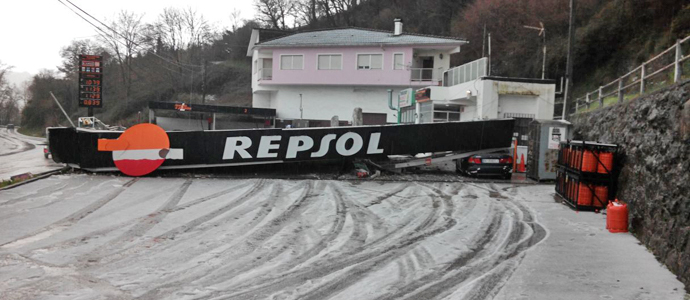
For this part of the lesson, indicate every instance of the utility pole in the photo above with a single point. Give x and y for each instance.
(569, 64)
(300, 107)
(203, 82)
(484, 42)
(489, 59)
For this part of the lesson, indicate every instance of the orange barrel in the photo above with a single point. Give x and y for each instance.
(617, 217)
(578, 159)
(589, 162)
(602, 195)
(605, 164)
(584, 195)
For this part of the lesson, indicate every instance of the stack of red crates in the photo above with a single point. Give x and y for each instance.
(587, 174)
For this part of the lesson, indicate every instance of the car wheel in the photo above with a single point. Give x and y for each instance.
(46, 155)
(508, 176)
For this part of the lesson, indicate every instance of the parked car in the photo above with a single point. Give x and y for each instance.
(46, 151)
(10, 126)
(493, 164)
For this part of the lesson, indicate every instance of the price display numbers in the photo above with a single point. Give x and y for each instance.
(90, 81)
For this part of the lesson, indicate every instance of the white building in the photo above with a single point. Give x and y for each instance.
(316, 75)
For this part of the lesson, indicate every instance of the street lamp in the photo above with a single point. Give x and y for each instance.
(542, 33)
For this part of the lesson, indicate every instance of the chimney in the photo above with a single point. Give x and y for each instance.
(398, 26)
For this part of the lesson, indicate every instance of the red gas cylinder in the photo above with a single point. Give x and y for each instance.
(601, 193)
(589, 162)
(606, 163)
(617, 217)
(584, 195)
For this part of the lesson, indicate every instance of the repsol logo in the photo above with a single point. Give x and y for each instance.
(348, 144)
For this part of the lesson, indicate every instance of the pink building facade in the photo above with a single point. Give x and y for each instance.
(318, 75)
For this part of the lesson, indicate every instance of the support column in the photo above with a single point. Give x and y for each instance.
(642, 74)
(213, 124)
(601, 100)
(152, 116)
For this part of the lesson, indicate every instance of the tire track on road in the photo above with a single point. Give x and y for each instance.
(68, 221)
(487, 276)
(358, 264)
(160, 291)
(141, 227)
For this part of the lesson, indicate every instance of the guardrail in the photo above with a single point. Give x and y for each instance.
(638, 79)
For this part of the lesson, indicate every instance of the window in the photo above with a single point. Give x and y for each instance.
(291, 62)
(330, 62)
(369, 61)
(398, 61)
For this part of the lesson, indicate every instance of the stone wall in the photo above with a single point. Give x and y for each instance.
(654, 133)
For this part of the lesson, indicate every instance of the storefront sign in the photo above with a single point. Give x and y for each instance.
(406, 98)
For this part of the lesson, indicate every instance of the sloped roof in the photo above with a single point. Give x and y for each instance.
(356, 37)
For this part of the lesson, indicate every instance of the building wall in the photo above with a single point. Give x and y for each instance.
(349, 74)
(515, 94)
(490, 99)
(322, 103)
(520, 104)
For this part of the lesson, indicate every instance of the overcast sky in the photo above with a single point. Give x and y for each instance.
(32, 32)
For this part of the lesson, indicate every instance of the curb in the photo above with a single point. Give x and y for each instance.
(35, 178)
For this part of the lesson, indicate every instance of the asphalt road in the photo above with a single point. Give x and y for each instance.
(110, 237)
(21, 154)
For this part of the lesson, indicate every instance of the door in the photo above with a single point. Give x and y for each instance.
(427, 68)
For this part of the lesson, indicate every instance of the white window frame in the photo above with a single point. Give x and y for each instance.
(383, 60)
(281, 61)
(329, 54)
(402, 67)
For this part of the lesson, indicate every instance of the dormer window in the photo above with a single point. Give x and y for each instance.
(369, 61)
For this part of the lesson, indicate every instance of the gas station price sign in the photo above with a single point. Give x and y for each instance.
(90, 81)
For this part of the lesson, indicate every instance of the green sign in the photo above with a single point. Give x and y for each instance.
(406, 98)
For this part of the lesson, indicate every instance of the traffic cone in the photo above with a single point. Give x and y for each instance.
(521, 167)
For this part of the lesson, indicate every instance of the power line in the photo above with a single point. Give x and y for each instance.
(121, 35)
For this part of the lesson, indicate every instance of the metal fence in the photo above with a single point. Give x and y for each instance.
(648, 77)
(464, 73)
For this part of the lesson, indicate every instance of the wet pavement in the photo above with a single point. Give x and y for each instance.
(102, 236)
(21, 154)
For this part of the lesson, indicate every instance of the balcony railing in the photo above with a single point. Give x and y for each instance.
(467, 72)
(266, 74)
(423, 74)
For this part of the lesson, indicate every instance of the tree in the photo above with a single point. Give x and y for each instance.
(9, 98)
(307, 11)
(274, 12)
(124, 41)
(70, 55)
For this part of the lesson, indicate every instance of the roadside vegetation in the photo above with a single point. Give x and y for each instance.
(180, 57)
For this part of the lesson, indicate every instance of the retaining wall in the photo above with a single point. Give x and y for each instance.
(654, 132)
